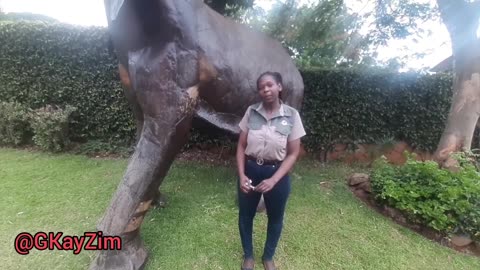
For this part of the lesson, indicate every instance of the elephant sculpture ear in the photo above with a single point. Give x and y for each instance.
(112, 8)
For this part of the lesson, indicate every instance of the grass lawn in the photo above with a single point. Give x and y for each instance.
(325, 226)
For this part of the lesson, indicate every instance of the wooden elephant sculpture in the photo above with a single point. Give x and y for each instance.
(177, 59)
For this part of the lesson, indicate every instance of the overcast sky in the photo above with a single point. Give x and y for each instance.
(92, 12)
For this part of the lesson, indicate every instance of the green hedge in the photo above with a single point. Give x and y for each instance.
(372, 106)
(63, 65)
(68, 65)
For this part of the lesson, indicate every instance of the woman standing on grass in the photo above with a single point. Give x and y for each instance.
(267, 149)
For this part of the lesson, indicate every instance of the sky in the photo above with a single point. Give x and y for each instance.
(82, 12)
(436, 46)
(92, 12)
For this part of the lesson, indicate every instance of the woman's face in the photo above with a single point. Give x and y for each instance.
(269, 89)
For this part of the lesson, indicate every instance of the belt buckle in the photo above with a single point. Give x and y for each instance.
(259, 161)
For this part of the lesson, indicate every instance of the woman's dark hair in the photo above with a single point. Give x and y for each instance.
(276, 76)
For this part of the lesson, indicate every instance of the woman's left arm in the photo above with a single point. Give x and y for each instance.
(293, 150)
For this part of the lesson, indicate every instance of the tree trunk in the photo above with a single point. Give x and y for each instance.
(461, 19)
(464, 112)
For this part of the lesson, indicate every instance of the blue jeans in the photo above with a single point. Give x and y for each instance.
(275, 201)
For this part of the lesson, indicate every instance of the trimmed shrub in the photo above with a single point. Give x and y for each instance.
(444, 200)
(14, 127)
(50, 126)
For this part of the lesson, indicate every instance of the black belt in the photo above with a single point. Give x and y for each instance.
(261, 161)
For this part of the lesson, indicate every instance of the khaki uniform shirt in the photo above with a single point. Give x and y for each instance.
(267, 138)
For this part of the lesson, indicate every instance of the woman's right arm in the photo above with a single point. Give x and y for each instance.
(242, 144)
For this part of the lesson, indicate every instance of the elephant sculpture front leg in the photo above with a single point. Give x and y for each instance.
(168, 110)
(135, 193)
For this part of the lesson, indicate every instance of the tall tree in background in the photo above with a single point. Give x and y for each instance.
(399, 19)
(462, 21)
(327, 33)
(396, 20)
(321, 35)
(315, 35)
(229, 7)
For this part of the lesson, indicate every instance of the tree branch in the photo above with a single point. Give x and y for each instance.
(475, 6)
(461, 18)
(450, 8)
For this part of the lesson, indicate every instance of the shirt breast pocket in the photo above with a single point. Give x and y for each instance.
(255, 121)
(283, 126)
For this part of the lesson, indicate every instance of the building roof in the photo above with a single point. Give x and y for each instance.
(445, 66)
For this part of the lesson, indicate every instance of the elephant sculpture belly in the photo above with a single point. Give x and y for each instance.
(177, 59)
